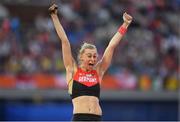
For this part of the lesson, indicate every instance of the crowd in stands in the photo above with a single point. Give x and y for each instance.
(146, 59)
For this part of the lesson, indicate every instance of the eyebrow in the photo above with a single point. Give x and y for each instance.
(91, 54)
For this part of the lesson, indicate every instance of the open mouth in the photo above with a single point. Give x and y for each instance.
(90, 64)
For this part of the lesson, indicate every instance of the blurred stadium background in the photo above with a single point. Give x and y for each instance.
(141, 84)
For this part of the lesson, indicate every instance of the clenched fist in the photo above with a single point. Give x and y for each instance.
(53, 9)
(127, 18)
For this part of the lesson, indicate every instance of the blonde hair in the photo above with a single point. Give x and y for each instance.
(83, 47)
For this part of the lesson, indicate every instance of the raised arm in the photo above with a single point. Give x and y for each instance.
(104, 63)
(66, 48)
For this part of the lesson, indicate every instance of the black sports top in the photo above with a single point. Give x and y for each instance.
(85, 83)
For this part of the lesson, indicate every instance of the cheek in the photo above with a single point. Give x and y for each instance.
(85, 59)
(95, 59)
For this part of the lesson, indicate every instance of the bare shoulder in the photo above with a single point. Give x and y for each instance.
(70, 72)
(99, 69)
(73, 68)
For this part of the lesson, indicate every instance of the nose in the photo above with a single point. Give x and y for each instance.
(93, 59)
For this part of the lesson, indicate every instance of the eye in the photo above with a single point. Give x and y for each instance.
(89, 56)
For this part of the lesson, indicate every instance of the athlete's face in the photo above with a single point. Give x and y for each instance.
(89, 58)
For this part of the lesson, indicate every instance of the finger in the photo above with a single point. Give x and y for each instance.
(55, 6)
(128, 16)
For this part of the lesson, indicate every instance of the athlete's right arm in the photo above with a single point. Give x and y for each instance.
(66, 47)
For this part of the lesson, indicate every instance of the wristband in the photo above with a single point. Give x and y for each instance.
(122, 30)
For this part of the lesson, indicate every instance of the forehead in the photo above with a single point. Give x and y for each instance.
(90, 51)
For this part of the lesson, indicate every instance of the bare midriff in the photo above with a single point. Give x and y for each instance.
(86, 104)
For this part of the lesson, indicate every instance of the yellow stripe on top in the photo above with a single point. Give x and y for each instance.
(70, 85)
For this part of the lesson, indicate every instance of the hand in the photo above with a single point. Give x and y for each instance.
(127, 18)
(53, 9)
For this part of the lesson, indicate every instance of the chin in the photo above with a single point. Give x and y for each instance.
(90, 67)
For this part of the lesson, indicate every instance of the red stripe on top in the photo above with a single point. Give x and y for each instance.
(86, 78)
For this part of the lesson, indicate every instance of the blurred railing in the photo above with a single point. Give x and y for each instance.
(56, 94)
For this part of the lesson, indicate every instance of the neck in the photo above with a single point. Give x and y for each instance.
(84, 68)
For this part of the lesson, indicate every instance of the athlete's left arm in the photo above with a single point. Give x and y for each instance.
(105, 62)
